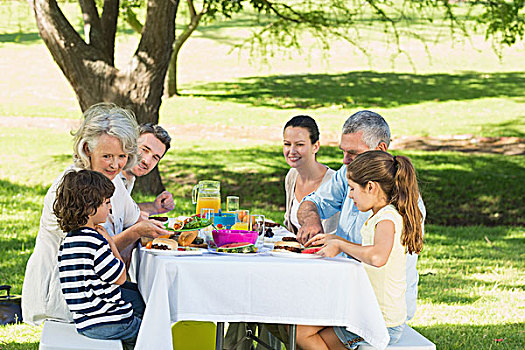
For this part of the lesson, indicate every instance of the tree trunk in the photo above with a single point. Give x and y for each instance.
(172, 74)
(172, 71)
(90, 69)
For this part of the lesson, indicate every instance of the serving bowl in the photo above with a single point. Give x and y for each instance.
(222, 237)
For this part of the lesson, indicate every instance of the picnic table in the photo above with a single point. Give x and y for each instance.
(255, 288)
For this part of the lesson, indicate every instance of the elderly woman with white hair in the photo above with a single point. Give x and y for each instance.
(105, 142)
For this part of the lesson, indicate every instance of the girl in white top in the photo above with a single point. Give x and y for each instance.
(387, 185)
(300, 147)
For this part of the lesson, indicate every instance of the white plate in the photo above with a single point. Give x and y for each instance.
(294, 255)
(259, 251)
(173, 252)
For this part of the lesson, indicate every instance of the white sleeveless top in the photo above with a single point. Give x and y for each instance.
(293, 212)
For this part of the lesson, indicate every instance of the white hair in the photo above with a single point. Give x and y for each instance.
(106, 118)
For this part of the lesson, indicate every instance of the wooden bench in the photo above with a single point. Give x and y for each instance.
(410, 340)
(64, 336)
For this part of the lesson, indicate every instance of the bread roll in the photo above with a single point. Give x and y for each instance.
(186, 238)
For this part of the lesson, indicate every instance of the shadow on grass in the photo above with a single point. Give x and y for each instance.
(467, 337)
(362, 88)
(20, 37)
(19, 346)
(510, 128)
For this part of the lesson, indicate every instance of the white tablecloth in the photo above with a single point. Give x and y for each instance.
(262, 288)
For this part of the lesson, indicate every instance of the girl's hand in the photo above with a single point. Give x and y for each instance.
(321, 239)
(331, 248)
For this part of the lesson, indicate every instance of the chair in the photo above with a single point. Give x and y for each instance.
(410, 340)
(64, 336)
(193, 335)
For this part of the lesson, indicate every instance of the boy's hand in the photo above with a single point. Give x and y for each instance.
(100, 229)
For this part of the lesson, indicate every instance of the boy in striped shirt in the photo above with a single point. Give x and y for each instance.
(90, 266)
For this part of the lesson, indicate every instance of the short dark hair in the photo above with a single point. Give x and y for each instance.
(158, 131)
(307, 122)
(78, 196)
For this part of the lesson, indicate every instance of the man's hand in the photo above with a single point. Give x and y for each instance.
(310, 222)
(164, 203)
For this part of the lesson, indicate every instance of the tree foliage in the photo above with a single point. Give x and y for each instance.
(87, 61)
(280, 24)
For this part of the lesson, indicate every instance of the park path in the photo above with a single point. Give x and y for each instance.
(272, 134)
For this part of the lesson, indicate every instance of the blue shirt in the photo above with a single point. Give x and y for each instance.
(332, 196)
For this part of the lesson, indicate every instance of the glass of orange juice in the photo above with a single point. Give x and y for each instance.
(242, 220)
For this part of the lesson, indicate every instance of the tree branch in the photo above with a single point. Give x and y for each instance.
(109, 27)
(158, 34)
(92, 28)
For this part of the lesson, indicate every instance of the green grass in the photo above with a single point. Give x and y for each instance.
(472, 285)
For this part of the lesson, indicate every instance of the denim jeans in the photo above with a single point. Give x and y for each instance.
(127, 332)
(130, 293)
(352, 341)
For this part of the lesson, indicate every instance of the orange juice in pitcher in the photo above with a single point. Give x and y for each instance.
(206, 194)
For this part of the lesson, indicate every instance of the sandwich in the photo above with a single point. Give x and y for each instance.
(164, 244)
(287, 246)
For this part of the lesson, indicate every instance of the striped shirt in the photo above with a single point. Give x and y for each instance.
(88, 271)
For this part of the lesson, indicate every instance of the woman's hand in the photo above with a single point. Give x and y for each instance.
(150, 228)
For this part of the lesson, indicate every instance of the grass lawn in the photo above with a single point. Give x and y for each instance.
(472, 279)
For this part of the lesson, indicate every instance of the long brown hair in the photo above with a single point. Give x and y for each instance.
(397, 178)
(78, 196)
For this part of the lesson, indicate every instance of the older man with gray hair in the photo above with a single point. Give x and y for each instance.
(362, 131)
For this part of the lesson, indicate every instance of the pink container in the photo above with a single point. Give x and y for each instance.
(222, 237)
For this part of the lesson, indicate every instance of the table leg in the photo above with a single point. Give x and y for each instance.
(219, 336)
(291, 336)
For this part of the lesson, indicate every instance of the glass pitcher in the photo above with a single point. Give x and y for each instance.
(207, 194)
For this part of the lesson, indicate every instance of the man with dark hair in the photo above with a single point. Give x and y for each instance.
(153, 143)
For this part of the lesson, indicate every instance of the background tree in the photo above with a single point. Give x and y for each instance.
(88, 61)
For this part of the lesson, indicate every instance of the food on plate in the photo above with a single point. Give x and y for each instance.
(187, 238)
(177, 225)
(164, 244)
(196, 222)
(287, 246)
(290, 239)
(271, 224)
(312, 249)
(243, 247)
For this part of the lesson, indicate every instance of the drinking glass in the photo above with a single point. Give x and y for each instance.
(232, 204)
(242, 218)
(258, 224)
(205, 233)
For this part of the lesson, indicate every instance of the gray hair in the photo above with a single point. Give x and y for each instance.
(106, 118)
(374, 127)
